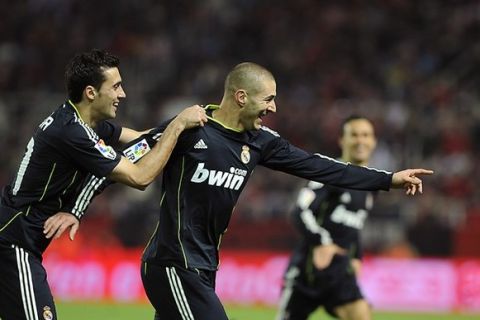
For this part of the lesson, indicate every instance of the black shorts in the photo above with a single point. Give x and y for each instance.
(183, 294)
(24, 290)
(304, 291)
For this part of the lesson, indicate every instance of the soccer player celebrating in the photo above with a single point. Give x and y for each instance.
(203, 179)
(323, 269)
(71, 143)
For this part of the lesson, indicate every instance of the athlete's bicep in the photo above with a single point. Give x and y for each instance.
(126, 171)
(128, 134)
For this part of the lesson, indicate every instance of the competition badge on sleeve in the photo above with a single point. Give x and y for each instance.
(137, 151)
(105, 150)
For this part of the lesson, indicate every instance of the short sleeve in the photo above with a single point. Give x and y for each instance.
(109, 132)
(90, 153)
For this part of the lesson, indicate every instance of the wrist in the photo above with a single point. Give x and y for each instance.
(179, 124)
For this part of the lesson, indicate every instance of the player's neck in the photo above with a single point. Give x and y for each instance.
(85, 113)
(228, 116)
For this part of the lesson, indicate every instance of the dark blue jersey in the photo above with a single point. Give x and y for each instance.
(205, 175)
(58, 158)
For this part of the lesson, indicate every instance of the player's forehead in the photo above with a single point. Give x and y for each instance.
(359, 126)
(268, 88)
(111, 76)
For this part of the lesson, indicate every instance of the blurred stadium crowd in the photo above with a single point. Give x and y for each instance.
(411, 66)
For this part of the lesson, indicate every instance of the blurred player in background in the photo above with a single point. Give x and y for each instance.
(203, 179)
(66, 147)
(323, 269)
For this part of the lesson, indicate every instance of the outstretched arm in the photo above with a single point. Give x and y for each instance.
(128, 134)
(283, 156)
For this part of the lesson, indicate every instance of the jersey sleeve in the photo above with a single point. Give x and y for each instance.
(94, 185)
(88, 151)
(306, 213)
(282, 156)
(109, 132)
(91, 187)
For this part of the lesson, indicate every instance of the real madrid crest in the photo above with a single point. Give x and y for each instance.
(47, 314)
(245, 155)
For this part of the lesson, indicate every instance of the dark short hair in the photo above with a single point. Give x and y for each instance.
(86, 69)
(353, 117)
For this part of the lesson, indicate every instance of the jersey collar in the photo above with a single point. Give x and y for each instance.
(209, 110)
(75, 109)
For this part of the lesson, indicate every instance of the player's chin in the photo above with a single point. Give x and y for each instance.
(361, 157)
(257, 124)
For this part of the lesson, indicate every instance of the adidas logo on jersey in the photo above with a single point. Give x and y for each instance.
(230, 180)
(200, 145)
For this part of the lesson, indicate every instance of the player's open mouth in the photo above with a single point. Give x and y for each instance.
(360, 148)
(262, 114)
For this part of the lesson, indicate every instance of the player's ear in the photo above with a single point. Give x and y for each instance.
(241, 97)
(90, 92)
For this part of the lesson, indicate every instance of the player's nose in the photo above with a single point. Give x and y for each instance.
(122, 93)
(272, 107)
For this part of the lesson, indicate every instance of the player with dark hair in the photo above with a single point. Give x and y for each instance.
(324, 266)
(203, 179)
(74, 141)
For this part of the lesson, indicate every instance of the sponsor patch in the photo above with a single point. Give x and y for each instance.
(137, 151)
(233, 179)
(105, 150)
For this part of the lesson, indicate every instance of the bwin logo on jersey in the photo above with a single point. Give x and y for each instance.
(349, 218)
(230, 180)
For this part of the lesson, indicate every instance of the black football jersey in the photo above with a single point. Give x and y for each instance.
(327, 214)
(206, 173)
(58, 158)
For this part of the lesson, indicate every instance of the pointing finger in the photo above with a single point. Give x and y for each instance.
(421, 171)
